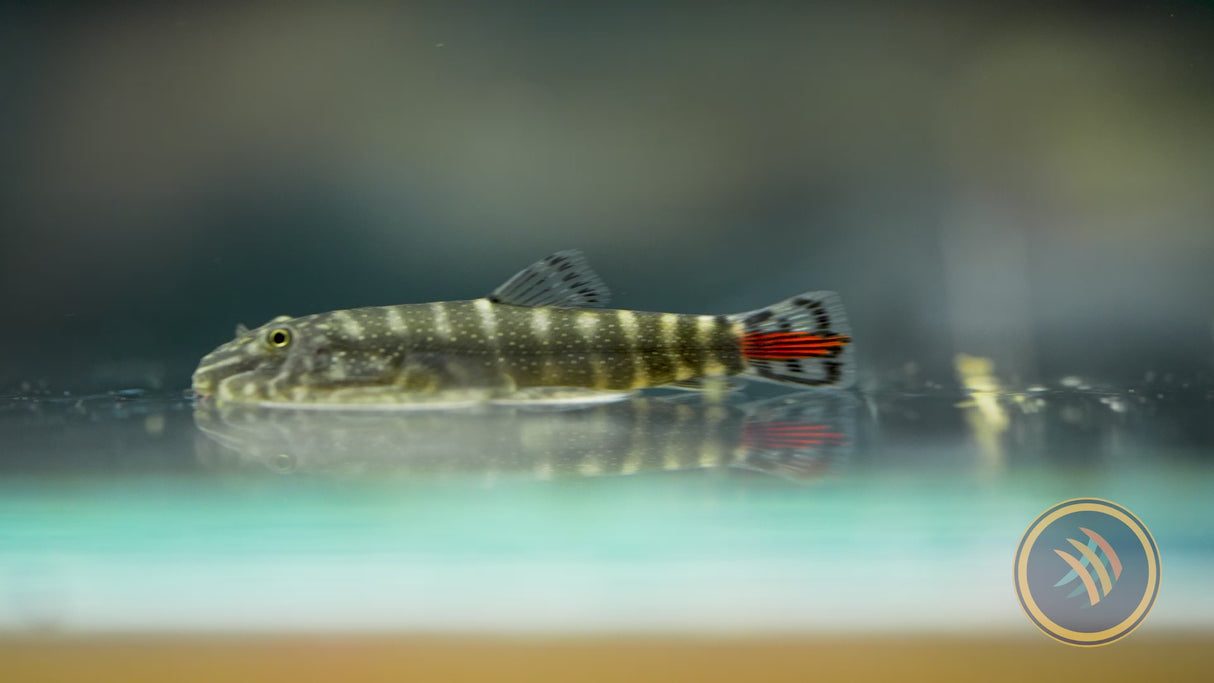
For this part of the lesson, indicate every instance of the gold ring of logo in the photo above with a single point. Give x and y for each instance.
(1034, 612)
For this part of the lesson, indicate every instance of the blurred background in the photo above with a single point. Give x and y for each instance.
(1013, 199)
(1025, 182)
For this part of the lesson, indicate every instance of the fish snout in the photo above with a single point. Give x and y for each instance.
(217, 366)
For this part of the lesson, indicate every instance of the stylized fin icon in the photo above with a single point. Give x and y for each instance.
(1082, 572)
(1079, 567)
(1105, 583)
(1107, 550)
(1062, 543)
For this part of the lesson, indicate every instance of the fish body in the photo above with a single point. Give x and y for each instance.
(537, 336)
(800, 437)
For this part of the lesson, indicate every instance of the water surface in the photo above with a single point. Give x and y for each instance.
(889, 511)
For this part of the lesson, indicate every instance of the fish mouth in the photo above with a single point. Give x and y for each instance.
(202, 385)
(217, 367)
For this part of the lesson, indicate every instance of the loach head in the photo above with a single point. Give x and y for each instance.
(344, 357)
(340, 358)
(246, 367)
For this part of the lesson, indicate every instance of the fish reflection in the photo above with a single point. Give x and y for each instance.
(800, 436)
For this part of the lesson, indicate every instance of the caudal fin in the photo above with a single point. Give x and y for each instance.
(803, 340)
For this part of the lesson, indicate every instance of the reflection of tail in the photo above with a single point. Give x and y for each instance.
(801, 437)
(803, 340)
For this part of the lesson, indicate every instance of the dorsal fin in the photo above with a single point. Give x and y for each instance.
(563, 279)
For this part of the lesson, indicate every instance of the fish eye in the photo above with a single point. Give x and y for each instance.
(279, 338)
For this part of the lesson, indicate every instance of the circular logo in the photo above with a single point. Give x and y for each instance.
(1087, 572)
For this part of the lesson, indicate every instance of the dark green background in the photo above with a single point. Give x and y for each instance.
(1025, 182)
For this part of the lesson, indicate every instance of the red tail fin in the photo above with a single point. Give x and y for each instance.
(781, 345)
(802, 340)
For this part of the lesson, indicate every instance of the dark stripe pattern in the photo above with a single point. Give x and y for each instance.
(500, 347)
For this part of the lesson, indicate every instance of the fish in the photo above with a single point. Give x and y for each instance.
(802, 437)
(541, 336)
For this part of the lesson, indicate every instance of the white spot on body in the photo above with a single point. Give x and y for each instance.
(442, 324)
(587, 323)
(669, 323)
(670, 340)
(348, 324)
(541, 324)
(337, 370)
(484, 308)
(487, 313)
(632, 331)
(396, 323)
(628, 323)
